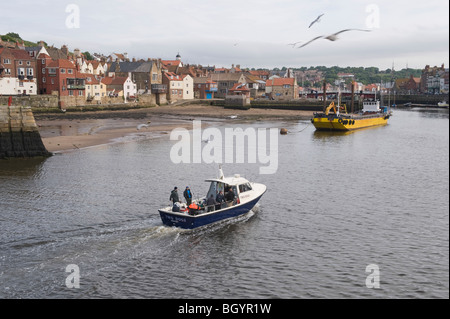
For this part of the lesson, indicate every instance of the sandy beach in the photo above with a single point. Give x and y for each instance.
(63, 132)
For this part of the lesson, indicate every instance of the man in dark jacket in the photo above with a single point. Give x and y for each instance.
(188, 195)
(174, 196)
(211, 203)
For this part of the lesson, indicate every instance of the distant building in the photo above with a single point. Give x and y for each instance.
(147, 75)
(409, 85)
(435, 80)
(60, 76)
(17, 72)
(282, 89)
(226, 81)
(204, 88)
(120, 87)
(174, 85)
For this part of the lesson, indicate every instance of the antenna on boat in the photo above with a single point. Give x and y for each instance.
(221, 176)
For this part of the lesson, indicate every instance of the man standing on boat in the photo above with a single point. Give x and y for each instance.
(174, 196)
(188, 195)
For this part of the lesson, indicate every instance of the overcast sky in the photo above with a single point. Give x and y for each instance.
(252, 33)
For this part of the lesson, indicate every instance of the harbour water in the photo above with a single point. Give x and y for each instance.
(337, 203)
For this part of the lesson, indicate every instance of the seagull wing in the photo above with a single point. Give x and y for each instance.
(317, 20)
(316, 38)
(346, 30)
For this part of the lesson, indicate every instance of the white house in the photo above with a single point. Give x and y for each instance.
(188, 87)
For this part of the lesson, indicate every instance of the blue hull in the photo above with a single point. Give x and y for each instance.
(191, 222)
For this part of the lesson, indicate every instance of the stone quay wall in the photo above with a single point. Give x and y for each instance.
(19, 135)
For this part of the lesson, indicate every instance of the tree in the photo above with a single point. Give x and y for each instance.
(88, 56)
(14, 35)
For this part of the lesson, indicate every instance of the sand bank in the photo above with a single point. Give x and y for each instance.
(71, 131)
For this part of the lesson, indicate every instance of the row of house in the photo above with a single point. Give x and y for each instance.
(48, 70)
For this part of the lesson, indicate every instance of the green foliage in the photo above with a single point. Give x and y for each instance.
(88, 56)
(15, 37)
(366, 76)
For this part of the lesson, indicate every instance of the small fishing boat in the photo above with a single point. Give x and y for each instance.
(245, 195)
(443, 104)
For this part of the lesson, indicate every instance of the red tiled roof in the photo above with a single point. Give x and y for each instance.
(240, 87)
(21, 55)
(280, 82)
(62, 63)
(172, 76)
(171, 62)
(114, 80)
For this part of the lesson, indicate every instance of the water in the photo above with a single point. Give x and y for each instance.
(337, 204)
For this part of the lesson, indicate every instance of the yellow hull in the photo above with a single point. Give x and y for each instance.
(343, 124)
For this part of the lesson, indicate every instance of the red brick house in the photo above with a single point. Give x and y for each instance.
(204, 88)
(17, 72)
(409, 86)
(60, 76)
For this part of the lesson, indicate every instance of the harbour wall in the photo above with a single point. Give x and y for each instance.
(19, 135)
(42, 103)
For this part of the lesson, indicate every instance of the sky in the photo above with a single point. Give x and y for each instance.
(249, 33)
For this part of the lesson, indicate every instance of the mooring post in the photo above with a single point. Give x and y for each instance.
(353, 97)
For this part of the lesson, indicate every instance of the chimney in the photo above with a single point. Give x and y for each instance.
(65, 50)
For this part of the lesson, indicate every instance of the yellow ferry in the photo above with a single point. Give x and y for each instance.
(371, 115)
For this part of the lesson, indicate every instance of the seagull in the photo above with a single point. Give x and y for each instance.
(331, 37)
(317, 20)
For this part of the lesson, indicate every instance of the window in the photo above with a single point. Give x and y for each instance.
(70, 92)
(245, 188)
(28, 63)
(63, 71)
(20, 71)
(8, 71)
(51, 71)
(20, 62)
(53, 81)
(30, 72)
(70, 71)
(7, 61)
(44, 80)
(43, 61)
(80, 93)
(43, 70)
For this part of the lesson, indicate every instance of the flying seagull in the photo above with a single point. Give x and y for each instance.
(317, 20)
(331, 37)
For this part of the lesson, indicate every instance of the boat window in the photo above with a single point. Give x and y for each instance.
(245, 188)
